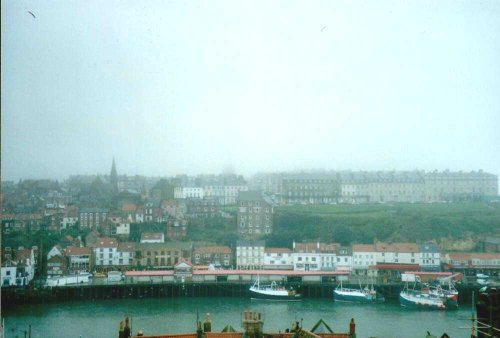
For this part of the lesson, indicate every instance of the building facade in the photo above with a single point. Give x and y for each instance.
(250, 254)
(255, 214)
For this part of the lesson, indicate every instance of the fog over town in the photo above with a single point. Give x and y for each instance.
(166, 159)
(173, 88)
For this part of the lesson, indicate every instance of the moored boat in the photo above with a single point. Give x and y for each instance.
(273, 291)
(418, 299)
(361, 295)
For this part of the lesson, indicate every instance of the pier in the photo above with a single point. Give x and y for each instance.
(17, 296)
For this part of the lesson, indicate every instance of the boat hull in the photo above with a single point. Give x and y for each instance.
(270, 296)
(410, 301)
(357, 297)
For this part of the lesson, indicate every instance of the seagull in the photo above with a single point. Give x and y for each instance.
(32, 14)
(322, 29)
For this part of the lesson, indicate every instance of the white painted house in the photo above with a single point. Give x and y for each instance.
(278, 259)
(250, 254)
(9, 273)
(314, 256)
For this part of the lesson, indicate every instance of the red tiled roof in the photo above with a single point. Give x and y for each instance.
(313, 246)
(126, 247)
(129, 207)
(106, 242)
(396, 247)
(76, 251)
(212, 249)
(363, 248)
(397, 266)
(23, 254)
(465, 256)
(278, 250)
(149, 273)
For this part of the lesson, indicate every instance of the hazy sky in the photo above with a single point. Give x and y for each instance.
(197, 87)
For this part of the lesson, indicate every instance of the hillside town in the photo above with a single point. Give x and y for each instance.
(116, 222)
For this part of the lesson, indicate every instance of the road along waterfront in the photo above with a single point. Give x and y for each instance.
(100, 318)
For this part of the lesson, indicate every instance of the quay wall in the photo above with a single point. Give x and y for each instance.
(13, 296)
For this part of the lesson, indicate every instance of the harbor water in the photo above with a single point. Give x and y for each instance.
(100, 319)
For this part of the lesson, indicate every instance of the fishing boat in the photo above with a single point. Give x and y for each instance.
(450, 295)
(361, 295)
(422, 298)
(273, 291)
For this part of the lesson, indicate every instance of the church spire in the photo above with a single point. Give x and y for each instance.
(113, 177)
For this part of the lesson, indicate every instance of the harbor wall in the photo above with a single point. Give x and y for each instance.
(13, 296)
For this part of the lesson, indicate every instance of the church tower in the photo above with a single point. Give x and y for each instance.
(113, 178)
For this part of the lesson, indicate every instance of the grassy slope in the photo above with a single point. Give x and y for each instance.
(398, 222)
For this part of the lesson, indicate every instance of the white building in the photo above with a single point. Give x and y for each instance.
(231, 193)
(105, 251)
(363, 256)
(278, 259)
(397, 253)
(55, 251)
(344, 259)
(188, 192)
(109, 253)
(152, 237)
(25, 259)
(9, 273)
(314, 256)
(79, 259)
(250, 254)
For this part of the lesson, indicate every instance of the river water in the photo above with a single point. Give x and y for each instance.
(100, 319)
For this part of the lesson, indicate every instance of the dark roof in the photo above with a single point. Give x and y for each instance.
(253, 195)
(250, 243)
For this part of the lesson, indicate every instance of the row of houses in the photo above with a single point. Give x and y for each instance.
(377, 186)
(18, 266)
(372, 260)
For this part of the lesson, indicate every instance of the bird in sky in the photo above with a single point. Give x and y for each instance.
(32, 14)
(322, 29)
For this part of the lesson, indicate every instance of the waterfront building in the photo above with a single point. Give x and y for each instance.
(254, 215)
(363, 256)
(218, 256)
(250, 254)
(162, 255)
(92, 218)
(25, 259)
(79, 259)
(397, 253)
(430, 257)
(344, 258)
(278, 259)
(55, 251)
(314, 256)
(109, 254)
(57, 265)
(471, 263)
(8, 273)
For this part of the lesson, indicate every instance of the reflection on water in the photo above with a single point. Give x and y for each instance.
(101, 318)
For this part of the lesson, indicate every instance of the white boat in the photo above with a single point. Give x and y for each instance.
(273, 291)
(361, 295)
